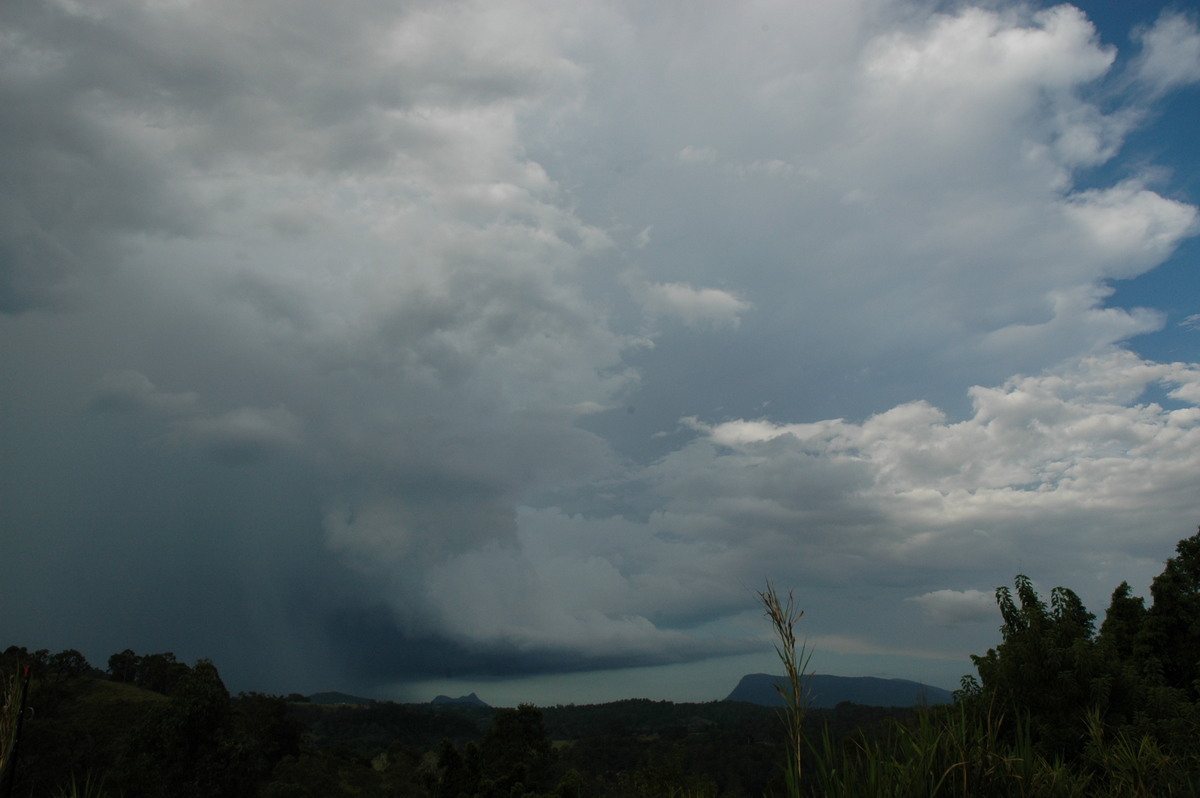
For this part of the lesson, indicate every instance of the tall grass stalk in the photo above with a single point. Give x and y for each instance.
(784, 616)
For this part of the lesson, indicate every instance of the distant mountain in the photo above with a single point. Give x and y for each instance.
(826, 692)
(472, 700)
(339, 698)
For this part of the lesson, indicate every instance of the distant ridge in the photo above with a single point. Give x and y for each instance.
(826, 692)
(471, 700)
(340, 698)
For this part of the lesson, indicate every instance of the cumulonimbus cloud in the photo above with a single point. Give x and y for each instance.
(384, 278)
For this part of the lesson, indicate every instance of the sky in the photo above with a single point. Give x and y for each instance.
(511, 346)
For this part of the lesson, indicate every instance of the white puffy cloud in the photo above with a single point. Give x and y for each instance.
(1130, 227)
(972, 82)
(901, 184)
(1073, 445)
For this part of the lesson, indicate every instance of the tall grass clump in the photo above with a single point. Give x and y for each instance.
(14, 689)
(89, 787)
(969, 752)
(784, 616)
(941, 752)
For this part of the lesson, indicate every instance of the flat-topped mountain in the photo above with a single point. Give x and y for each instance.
(825, 692)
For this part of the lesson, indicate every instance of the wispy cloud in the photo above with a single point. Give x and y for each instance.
(1170, 55)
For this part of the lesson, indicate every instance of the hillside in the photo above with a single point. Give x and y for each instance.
(334, 698)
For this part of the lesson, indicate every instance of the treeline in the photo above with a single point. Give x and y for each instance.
(151, 725)
(635, 747)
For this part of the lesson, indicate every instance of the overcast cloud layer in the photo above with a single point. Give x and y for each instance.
(371, 343)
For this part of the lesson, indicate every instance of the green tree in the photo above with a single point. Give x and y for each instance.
(1044, 670)
(1122, 685)
(184, 748)
(1169, 637)
(1122, 622)
(160, 672)
(515, 753)
(404, 771)
(453, 776)
(69, 663)
(262, 734)
(17, 658)
(123, 666)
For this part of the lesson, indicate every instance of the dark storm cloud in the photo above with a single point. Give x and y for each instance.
(73, 175)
